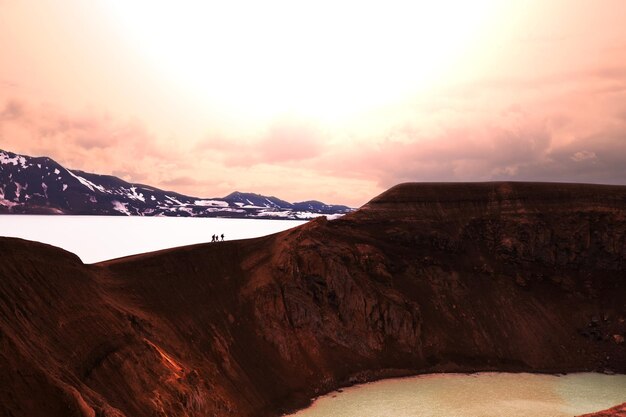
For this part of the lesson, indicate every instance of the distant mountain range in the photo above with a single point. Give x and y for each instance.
(39, 185)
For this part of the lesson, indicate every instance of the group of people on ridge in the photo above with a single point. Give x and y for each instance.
(216, 238)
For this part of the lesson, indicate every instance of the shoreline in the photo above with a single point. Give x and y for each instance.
(398, 375)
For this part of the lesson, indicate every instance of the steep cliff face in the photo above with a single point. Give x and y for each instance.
(426, 277)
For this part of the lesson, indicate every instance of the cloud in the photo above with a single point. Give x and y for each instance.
(215, 142)
(290, 141)
(462, 152)
(602, 160)
(130, 174)
(583, 155)
(13, 109)
(514, 143)
(285, 141)
(85, 140)
(594, 79)
(612, 72)
(561, 125)
(8, 84)
(180, 181)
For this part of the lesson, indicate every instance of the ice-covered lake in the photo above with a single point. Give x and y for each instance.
(475, 395)
(98, 238)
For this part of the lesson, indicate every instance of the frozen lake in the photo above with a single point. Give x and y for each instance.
(475, 395)
(99, 238)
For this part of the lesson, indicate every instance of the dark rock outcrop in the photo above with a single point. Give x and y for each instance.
(425, 277)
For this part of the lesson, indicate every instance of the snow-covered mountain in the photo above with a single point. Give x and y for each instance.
(30, 185)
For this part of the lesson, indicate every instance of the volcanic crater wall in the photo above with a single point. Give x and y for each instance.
(424, 278)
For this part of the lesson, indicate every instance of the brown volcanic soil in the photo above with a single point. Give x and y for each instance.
(425, 277)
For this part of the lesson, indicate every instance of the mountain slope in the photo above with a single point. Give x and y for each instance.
(40, 185)
(424, 278)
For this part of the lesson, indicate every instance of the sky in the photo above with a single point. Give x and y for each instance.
(329, 100)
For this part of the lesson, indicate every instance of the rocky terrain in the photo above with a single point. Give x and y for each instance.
(424, 278)
(31, 185)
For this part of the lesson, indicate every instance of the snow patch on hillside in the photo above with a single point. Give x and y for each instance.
(270, 213)
(135, 195)
(121, 207)
(174, 200)
(4, 202)
(210, 203)
(87, 183)
(18, 190)
(16, 160)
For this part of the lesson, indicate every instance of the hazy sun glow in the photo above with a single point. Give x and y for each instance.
(324, 60)
(330, 100)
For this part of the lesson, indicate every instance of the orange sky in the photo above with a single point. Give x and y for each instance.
(335, 101)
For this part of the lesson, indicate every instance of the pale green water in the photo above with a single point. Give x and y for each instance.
(475, 395)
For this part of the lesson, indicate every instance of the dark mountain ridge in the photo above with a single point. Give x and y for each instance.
(424, 278)
(40, 185)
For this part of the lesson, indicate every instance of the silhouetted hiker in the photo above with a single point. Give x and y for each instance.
(222, 237)
(213, 238)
